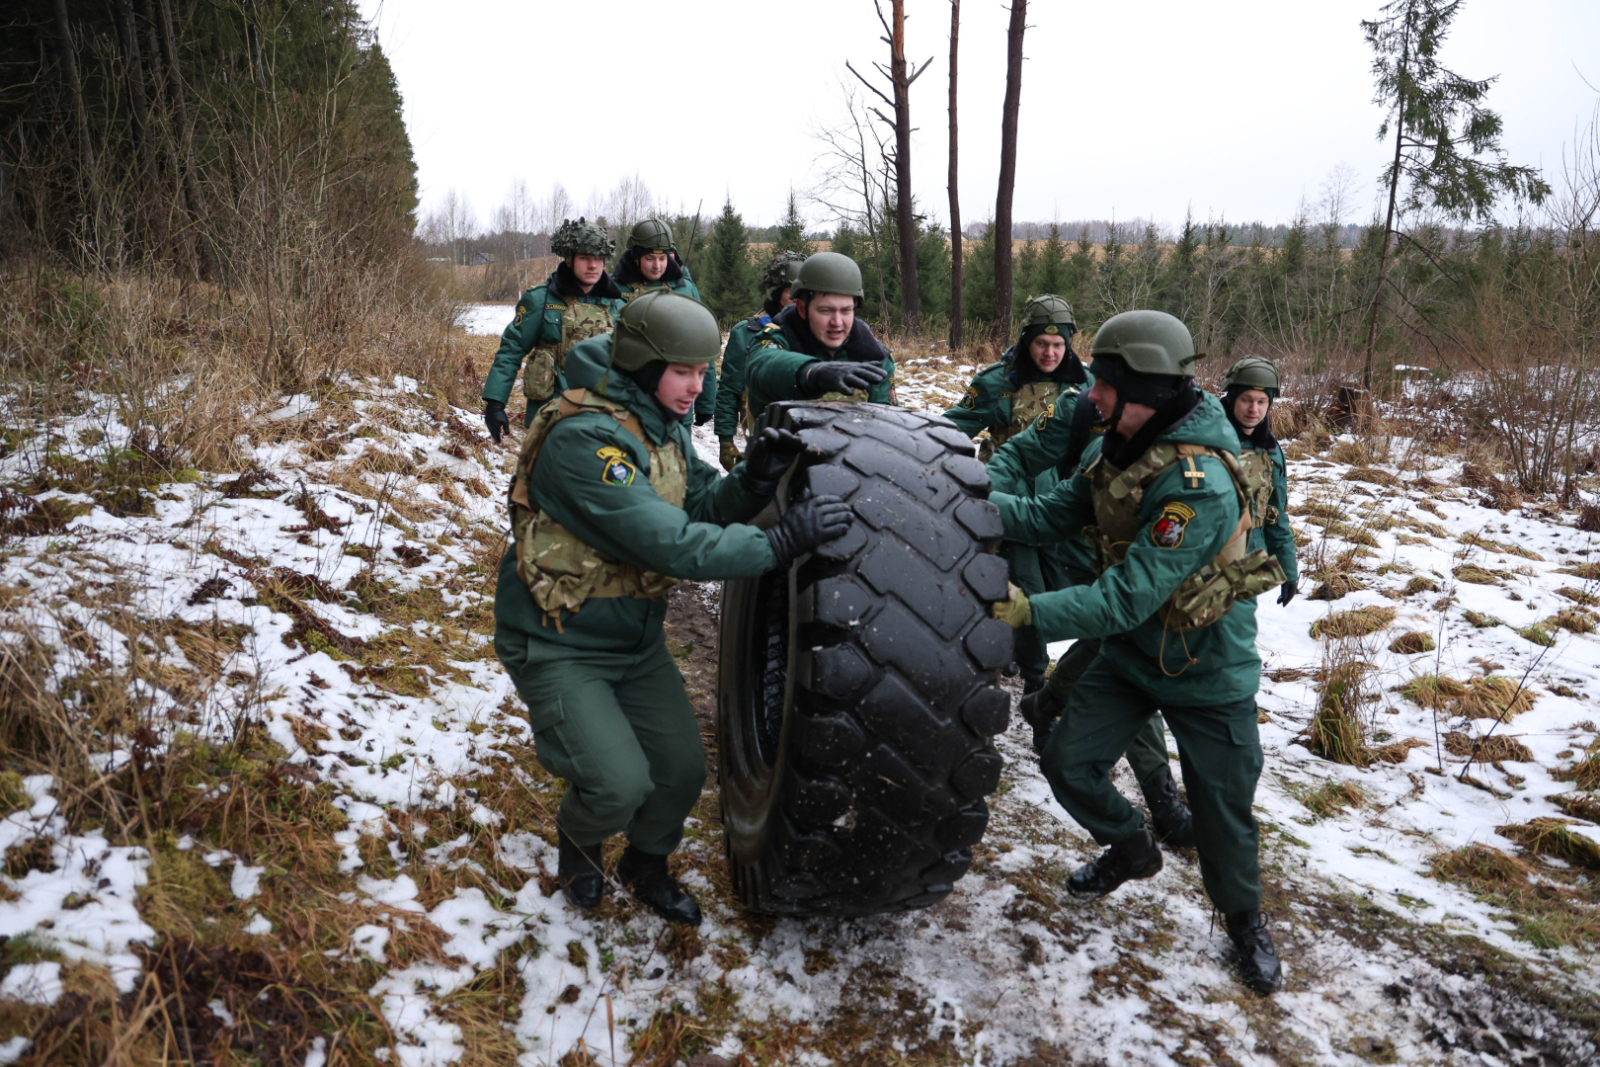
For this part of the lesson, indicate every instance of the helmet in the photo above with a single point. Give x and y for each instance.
(1148, 342)
(664, 325)
(1048, 310)
(651, 235)
(829, 272)
(1253, 372)
(582, 237)
(782, 270)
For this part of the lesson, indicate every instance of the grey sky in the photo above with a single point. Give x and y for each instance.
(1140, 108)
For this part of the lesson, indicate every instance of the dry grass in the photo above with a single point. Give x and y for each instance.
(1479, 697)
(1357, 622)
(1492, 749)
(1410, 644)
(1551, 907)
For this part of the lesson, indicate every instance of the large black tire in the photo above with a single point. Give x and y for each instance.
(858, 690)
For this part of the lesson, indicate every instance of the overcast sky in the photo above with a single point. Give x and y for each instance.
(1137, 108)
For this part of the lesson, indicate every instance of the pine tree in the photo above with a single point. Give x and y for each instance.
(1052, 274)
(977, 285)
(729, 282)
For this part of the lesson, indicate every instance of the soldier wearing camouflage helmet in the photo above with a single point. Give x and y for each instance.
(576, 301)
(1162, 497)
(816, 348)
(780, 274)
(1249, 390)
(649, 262)
(610, 507)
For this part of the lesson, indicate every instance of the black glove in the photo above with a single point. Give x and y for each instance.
(1040, 710)
(808, 524)
(839, 376)
(769, 455)
(1287, 593)
(494, 417)
(702, 417)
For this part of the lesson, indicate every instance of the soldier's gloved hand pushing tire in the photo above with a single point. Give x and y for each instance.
(834, 376)
(808, 524)
(494, 417)
(771, 454)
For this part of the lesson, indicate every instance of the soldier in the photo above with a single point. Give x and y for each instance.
(577, 301)
(780, 274)
(1248, 390)
(651, 262)
(610, 507)
(816, 348)
(1031, 459)
(1161, 495)
(1033, 375)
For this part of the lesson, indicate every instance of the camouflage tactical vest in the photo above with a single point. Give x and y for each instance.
(1027, 403)
(1204, 597)
(1256, 466)
(561, 570)
(572, 322)
(641, 287)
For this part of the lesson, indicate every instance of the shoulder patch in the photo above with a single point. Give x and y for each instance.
(1045, 416)
(1170, 526)
(970, 400)
(521, 311)
(617, 470)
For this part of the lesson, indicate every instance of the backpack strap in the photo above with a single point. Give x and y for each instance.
(570, 403)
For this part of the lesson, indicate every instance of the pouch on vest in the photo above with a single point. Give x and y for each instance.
(569, 323)
(561, 570)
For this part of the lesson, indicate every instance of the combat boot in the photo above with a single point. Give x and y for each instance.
(580, 872)
(1169, 816)
(1258, 959)
(1135, 856)
(1040, 710)
(650, 881)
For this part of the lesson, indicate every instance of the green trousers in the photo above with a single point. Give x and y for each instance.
(619, 728)
(1034, 570)
(1220, 752)
(1148, 752)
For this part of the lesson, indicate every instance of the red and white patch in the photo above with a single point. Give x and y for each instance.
(1170, 526)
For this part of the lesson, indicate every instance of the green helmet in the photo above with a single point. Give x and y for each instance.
(1253, 372)
(783, 269)
(1048, 310)
(651, 235)
(582, 237)
(828, 272)
(664, 325)
(1149, 342)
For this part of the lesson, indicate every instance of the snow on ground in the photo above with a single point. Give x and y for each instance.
(397, 501)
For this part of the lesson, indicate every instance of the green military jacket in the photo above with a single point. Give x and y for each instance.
(784, 348)
(1183, 523)
(1275, 534)
(1027, 464)
(537, 327)
(730, 386)
(995, 402)
(613, 508)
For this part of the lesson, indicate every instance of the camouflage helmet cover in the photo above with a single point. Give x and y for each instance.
(1148, 342)
(829, 272)
(582, 237)
(782, 270)
(1048, 310)
(652, 235)
(1253, 372)
(664, 325)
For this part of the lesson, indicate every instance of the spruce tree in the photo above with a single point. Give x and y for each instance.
(1052, 273)
(791, 235)
(729, 283)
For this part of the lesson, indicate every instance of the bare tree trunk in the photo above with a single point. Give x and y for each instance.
(69, 62)
(180, 115)
(1008, 170)
(1383, 253)
(905, 219)
(955, 199)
